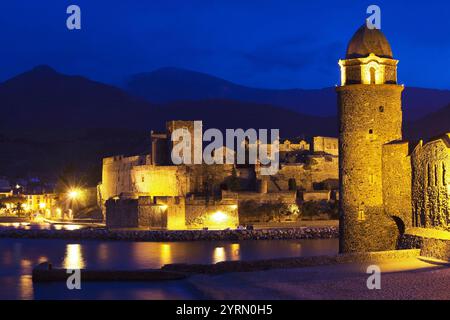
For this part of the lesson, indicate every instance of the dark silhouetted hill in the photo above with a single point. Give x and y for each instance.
(171, 84)
(51, 120)
(432, 125)
(45, 98)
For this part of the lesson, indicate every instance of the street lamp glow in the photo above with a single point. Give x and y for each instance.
(219, 216)
(74, 194)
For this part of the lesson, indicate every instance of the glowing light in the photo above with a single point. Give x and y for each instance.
(235, 251)
(219, 216)
(166, 254)
(25, 287)
(233, 206)
(42, 205)
(74, 257)
(219, 254)
(74, 194)
(163, 206)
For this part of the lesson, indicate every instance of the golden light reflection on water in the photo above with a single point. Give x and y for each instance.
(25, 264)
(103, 253)
(153, 255)
(26, 287)
(42, 259)
(166, 254)
(219, 254)
(73, 258)
(235, 251)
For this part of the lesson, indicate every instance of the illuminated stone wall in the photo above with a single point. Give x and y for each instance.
(116, 175)
(209, 177)
(162, 213)
(211, 214)
(188, 127)
(321, 169)
(397, 182)
(152, 180)
(370, 116)
(326, 144)
(171, 213)
(287, 197)
(431, 184)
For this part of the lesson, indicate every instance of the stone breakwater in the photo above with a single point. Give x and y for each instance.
(181, 235)
(429, 247)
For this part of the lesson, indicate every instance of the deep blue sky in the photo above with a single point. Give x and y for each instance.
(273, 44)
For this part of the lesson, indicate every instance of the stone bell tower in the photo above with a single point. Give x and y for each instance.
(370, 116)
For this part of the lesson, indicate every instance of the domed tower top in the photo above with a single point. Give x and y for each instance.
(366, 41)
(369, 59)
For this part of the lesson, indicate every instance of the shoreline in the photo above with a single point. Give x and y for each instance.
(298, 233)
(44, 272)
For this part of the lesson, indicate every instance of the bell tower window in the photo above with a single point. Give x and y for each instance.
(372, 75)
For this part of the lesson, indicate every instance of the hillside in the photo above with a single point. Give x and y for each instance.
(167, 85)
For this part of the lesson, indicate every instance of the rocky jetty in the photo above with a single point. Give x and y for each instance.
(173, 235)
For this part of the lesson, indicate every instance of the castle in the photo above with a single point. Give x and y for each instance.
(152, 192)
(387, 184)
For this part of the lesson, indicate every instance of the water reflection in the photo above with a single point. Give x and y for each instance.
(219, 254)
(41, 226)
(74, 257)
(19, 256)
(25, 287)
(235, 251)
(103, 252)
(166, 254)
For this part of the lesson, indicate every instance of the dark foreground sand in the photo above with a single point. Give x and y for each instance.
(413, 278)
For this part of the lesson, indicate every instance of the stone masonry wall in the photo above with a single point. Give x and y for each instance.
(369, 117)
(397, 182)
(122, 213)
(322, 168)
(201, 214)
(431, 184)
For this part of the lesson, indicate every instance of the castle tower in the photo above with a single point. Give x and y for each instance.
(370, 115)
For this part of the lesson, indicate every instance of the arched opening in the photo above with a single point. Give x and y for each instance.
(372, 75)
(292, 184)
(400, 225)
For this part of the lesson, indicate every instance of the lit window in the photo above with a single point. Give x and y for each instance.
(361, 214)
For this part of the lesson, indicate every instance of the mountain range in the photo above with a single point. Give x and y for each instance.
(52, 120)
(167, 85)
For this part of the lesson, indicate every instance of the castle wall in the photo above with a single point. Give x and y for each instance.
(323, 195)
(116, 175)
(122, 213)
(210, 177)
(288, 146)
(152, 180)
(319, 169)
(326, 144)
(187, 127)
(213, 215)
(286, 197)
(431, 184)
